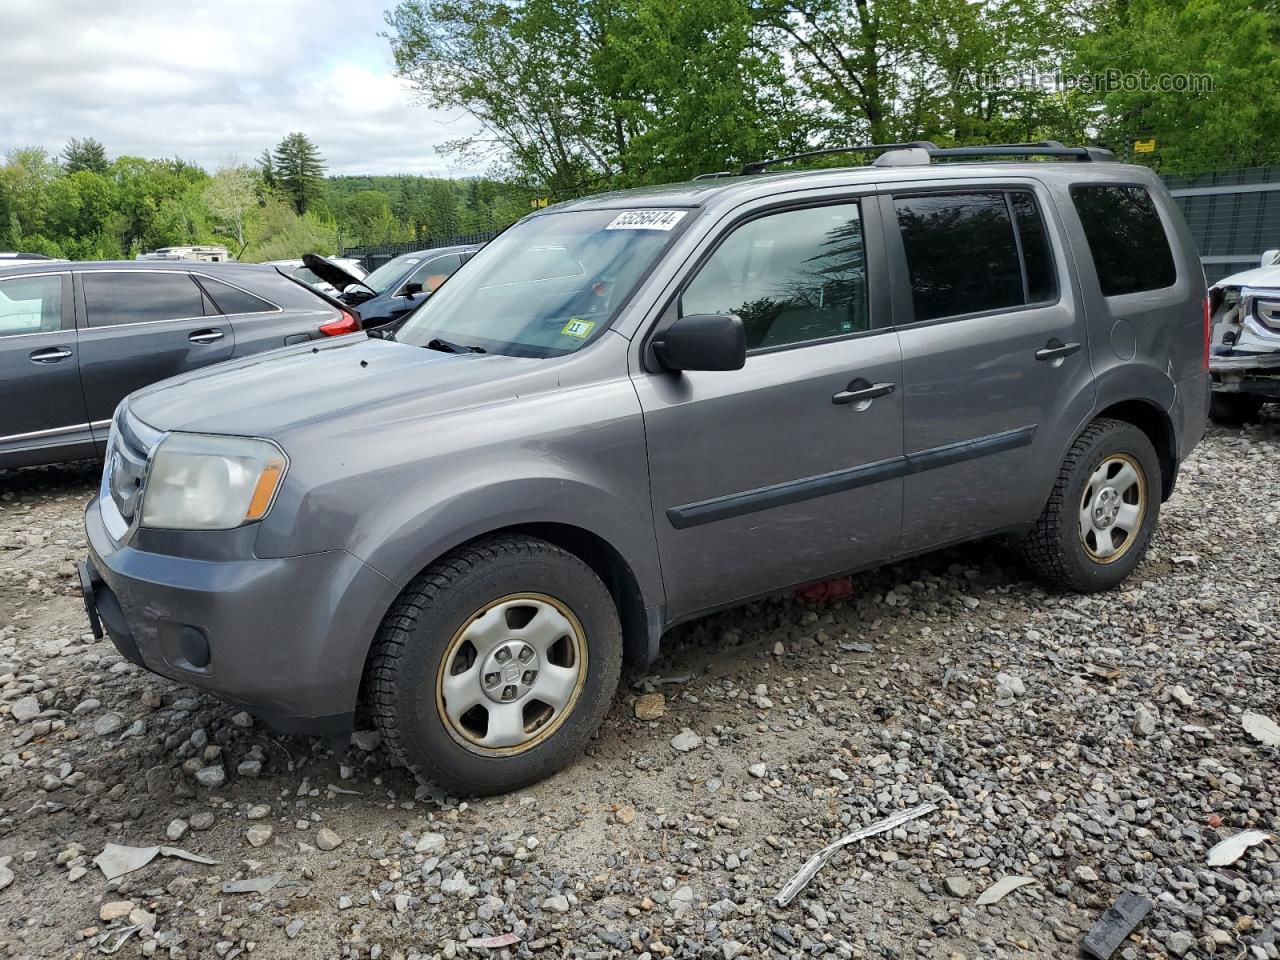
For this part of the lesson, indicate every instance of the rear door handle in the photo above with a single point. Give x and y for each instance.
(1057, 350)
(50, 355)
(206, 336)
(861, 392)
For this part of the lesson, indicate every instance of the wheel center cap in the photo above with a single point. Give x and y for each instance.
(1106, 508)
(509, 671)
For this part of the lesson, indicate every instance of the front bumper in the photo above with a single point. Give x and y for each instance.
(284, 638)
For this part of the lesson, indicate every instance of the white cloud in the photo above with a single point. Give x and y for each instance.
(156, 78)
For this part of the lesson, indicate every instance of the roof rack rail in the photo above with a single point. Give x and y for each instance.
(924, 151)
(715, 176)
(760, 166)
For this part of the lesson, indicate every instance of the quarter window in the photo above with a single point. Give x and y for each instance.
(117, 298)
(792, 277)
(230, 300)
(30, 305)
(1126, 238)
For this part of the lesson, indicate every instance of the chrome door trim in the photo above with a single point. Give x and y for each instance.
(54, 431)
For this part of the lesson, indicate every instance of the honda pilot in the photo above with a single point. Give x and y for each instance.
(632, 409)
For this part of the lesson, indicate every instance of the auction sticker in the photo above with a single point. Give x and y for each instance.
(647, 220)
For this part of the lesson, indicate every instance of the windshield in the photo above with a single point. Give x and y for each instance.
(391, 271)
(547, 286)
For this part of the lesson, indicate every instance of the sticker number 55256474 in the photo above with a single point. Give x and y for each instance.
(647, 220)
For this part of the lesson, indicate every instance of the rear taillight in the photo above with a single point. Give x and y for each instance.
(1208, 331)
(347, 323)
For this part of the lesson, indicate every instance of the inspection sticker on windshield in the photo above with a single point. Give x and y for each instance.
(647, 220)
(578, 328)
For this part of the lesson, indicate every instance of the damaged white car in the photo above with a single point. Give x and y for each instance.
(1244, 354)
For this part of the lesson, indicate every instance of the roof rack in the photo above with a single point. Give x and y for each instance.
(925, 151)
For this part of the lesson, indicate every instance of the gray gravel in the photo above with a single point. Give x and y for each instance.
(1093, 744)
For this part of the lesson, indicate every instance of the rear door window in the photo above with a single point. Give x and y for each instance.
(229, 299)
(1126, 238)
(965, 256)
(112, 299)
(30, 305)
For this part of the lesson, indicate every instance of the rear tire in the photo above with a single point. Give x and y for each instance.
(1234, 409)
(495, 666)
(1098, 522)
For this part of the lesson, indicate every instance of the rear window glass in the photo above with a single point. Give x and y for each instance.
(1126, 238)
(138, 297)
(229, 299)
(961, 253)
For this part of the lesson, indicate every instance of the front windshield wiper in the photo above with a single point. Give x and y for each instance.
(445, 346)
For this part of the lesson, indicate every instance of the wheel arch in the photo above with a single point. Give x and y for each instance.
(1156, 423)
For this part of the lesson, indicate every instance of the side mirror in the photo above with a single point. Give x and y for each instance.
(703, 341)
(411, 290)
(1270, 258)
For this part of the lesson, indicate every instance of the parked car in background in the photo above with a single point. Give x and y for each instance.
(8, 258)
(1245, 355)
(75, 338)
(631, 409)
(300, 271)
(397, 287)
(207, 254)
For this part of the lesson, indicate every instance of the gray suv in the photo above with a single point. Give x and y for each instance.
(635, 408)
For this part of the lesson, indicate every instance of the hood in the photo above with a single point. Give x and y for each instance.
(267, 394)
(329, 272)
(1257, 277)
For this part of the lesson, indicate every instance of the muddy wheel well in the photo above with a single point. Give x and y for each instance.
(1155, 423)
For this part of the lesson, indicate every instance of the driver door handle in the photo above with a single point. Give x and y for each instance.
(1056, 350)
(50, 355)
(863, 394)
(206, 336)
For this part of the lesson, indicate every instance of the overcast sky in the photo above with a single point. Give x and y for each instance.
(209, 80)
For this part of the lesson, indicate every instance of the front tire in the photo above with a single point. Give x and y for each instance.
(495, 666)
(1234, 409)
(1098, 522)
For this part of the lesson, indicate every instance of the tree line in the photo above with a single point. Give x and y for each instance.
(575, 95)
(83, 205)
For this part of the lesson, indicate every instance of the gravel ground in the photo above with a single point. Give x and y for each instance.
(1094, 745)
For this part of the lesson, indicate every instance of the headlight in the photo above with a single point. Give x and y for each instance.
(201, 482)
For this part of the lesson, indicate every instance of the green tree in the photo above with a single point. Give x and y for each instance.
(1235, 122)
(298, 170)
(229, 196)
(81, 156)
(277, 232)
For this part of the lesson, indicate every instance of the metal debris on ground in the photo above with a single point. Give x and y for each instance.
(1119, 920)
(1103, 671)
(495, 942)
(1002, 888)
(116, 859)
(1232, 849)
(253, 885)
(819, 859)
(124, 936)
(1262, 728)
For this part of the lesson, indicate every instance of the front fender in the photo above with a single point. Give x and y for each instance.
(413, 534)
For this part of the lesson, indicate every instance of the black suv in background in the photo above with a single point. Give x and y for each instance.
(76, 338)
